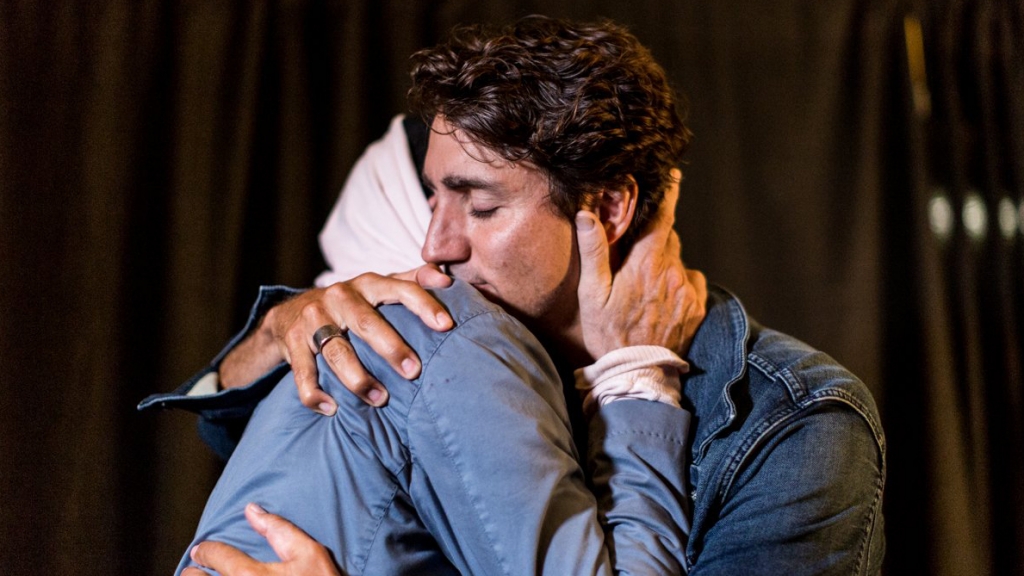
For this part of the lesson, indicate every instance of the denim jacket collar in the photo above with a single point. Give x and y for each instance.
(717, 360)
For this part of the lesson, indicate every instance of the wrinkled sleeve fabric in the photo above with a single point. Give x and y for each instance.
(808, 503)
(496, 478)
(637, 463)
(223, 414)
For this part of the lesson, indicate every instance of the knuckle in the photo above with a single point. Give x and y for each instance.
(361, 281)
(391, 349)
(340, 292)
(359, 383)
(295, 341)
(337, 353)
(676, 279)
(699, 280)
(310, 312)
(594, 245)
(308, 395)
(675, 245)
(365, 322)
(421, 274)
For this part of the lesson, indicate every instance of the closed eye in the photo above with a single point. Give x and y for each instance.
(482, 214)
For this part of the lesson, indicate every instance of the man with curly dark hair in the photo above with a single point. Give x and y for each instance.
(551, 171)
(588, 106)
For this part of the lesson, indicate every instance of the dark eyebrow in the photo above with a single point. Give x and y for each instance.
(464, 183)
(461, 183)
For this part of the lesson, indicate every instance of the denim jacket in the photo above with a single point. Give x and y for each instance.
(787, 462)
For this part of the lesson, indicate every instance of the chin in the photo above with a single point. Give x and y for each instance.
(491, 294)
(488, 291)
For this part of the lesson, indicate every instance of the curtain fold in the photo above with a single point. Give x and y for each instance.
(957, 464)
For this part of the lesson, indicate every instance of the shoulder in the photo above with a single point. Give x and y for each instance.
(487, 374)
(751, 377)
(802, 376)
(473, 315)
(486, 342)
(751, 387)
(786, 438)
(806, 404)
(469, 310)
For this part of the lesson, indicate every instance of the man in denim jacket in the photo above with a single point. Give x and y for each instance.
(786, 458)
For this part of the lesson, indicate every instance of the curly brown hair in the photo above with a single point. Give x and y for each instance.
(585, 103)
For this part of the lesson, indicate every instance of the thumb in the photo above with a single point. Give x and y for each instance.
(427, 276)
(286, 539)
(595, 269)
(431, 276)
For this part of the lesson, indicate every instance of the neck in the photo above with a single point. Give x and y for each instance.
(565, 346)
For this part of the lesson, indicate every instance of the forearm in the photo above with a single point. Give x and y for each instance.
(498, 482)
(224, 410)
(252, 353)
(516, 502)
(253, 357)
(637, 461)
(637, 456)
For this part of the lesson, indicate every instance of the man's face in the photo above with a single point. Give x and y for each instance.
(495, 227)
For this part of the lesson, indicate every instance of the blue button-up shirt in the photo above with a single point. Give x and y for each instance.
(470, 468)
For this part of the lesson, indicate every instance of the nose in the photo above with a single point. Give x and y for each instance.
(446, 241)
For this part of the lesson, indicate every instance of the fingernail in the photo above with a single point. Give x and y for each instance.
(443, 320)
(192, 554)
(584, 222)
(257, 508)
(377, 396)
(410, 368)
(327, 409)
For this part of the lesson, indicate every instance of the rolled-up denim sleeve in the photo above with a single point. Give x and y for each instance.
(224, 413)
(496, 478)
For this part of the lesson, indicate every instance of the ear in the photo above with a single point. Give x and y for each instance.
(615, 208)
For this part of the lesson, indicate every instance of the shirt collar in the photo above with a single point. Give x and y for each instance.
(717, 360)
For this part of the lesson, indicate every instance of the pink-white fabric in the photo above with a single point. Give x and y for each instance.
(380, 220)
(639, 372)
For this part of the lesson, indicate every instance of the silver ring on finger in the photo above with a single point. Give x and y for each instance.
(325, 334)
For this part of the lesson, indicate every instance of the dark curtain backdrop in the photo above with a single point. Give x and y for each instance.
(857, 177)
